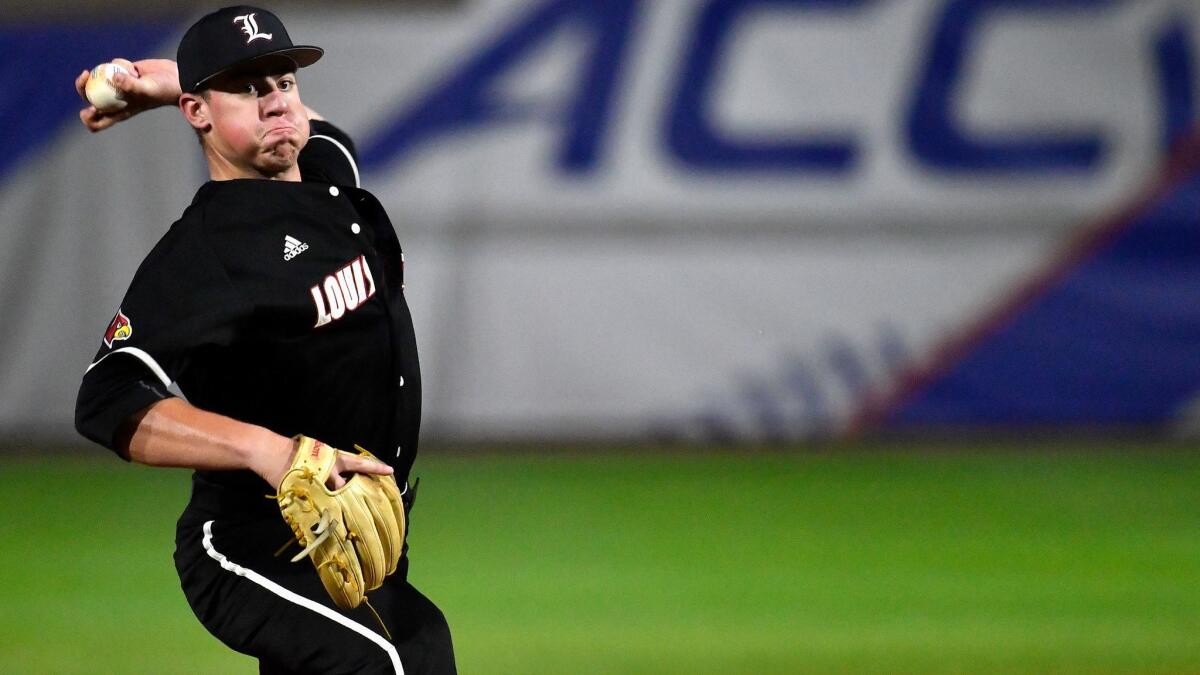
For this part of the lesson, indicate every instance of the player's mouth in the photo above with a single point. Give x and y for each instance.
(286, 129)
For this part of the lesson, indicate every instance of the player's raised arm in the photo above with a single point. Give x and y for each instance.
(146, 84)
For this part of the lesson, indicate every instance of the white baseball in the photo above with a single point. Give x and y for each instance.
(100, 90)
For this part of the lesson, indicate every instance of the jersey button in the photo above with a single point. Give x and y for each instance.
(355, 228)
(333, 191)
(401, 382)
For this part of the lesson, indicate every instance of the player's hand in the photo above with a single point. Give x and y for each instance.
(151, 83)
(273, 459)
(350, 464)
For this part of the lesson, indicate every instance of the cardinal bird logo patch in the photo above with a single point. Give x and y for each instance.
(118, 329)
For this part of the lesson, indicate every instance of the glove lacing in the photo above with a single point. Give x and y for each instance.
(322, 532)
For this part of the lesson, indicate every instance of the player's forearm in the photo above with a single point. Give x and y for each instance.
(174, 433)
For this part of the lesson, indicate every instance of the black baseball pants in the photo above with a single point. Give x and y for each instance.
(278, 612)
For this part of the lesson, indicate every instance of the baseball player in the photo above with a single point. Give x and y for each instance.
(276, 305)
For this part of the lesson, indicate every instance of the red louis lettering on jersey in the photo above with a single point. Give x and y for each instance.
(118, 329)
(343, 291)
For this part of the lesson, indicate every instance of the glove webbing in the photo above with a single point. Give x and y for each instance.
(323, 530)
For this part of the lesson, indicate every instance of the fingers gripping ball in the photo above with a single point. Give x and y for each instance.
(355, 534)
(100, 90)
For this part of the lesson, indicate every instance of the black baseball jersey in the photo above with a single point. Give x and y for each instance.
(275, 303)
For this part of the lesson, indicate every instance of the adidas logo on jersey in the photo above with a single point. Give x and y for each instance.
(293, 247)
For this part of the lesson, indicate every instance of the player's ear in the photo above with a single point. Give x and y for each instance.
(195, 110)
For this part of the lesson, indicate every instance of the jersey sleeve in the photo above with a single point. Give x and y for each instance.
(329, 156)
(180, 300)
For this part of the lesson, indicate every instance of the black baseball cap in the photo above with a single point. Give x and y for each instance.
(232, 36)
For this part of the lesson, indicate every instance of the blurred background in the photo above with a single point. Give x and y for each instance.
(758, 335)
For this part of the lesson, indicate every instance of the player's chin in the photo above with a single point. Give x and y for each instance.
(280, 156)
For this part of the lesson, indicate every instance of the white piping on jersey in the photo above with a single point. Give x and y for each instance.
(343, 149)
(143, 356)
(298, 599)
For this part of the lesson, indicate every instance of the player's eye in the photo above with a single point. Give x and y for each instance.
(251, 88)
(285, 85)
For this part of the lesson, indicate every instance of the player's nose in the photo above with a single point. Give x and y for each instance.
(274, 104)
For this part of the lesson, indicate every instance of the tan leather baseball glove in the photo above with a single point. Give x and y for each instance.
(355, 534)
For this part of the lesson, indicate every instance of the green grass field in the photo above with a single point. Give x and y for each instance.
(1058, 559)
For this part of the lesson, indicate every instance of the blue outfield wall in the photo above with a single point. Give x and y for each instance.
(39, 65)
(1108, 337)
(498, 122)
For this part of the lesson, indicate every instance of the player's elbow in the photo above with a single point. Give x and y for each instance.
(101, 430)
(104, 413)
(92, 422)
(113, 391)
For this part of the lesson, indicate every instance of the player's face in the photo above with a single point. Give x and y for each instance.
(258, 123)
